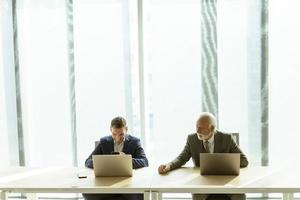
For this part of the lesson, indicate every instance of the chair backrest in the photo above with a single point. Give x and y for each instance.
(236, 138)
(96, 143)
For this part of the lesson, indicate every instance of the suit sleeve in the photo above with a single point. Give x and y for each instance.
(234, 148)
(139, 159)
(183, 157)
(97, 151)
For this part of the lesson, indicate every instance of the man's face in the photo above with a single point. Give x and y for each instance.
(204, 128)
(118, 134)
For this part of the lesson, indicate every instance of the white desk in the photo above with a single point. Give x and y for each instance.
(65, 180)
(11, 173)
(250, 180)
(146, 180)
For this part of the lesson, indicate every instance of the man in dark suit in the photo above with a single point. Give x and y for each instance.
(118, 142)
(206, 140)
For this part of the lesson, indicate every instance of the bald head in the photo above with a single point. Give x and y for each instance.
(206, 124)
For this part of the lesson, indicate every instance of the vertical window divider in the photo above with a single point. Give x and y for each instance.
(141, 72)
(264, 85)
(71, 63)
(21, 146)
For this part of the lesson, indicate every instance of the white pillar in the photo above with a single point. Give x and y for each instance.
(3, 195)
(156, 195)
(147, 195)
(31, 196)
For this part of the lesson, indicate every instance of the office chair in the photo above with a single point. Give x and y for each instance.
(236, 138)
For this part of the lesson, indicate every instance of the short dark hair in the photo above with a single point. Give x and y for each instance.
(118, 122)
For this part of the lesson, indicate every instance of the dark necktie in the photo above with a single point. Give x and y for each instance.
(206, 147)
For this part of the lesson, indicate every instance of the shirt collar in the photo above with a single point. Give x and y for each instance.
(122, 141)
(211, 140)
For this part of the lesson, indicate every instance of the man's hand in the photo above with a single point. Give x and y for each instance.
(163, 169)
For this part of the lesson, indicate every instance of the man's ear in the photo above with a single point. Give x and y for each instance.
(212, 127)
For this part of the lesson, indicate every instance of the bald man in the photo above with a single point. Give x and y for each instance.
(218, 142)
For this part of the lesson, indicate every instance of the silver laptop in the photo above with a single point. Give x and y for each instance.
(219, 163)
(112, 165)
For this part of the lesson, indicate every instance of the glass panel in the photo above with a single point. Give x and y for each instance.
(172, 74)
(284, 62)
(4, 151)
(239, 56)
(44, 82)
(105, 69)
(8, 116)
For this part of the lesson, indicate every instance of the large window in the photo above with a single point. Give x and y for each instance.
(72, 66)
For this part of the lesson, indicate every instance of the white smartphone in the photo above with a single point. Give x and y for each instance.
(81, 175)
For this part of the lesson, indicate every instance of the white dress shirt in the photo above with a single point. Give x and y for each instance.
(119, 147)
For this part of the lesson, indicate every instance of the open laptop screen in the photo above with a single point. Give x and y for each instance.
(112, 165)
(219, 163)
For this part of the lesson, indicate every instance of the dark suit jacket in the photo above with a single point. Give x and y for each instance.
(132, 145)
(223, 143)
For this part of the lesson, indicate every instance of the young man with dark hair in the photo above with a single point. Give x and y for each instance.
(118, 141)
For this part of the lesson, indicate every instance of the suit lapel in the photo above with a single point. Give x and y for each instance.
(216, 143)
(197, 145)
(125, 147)
(111, 145)
(200, 145)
